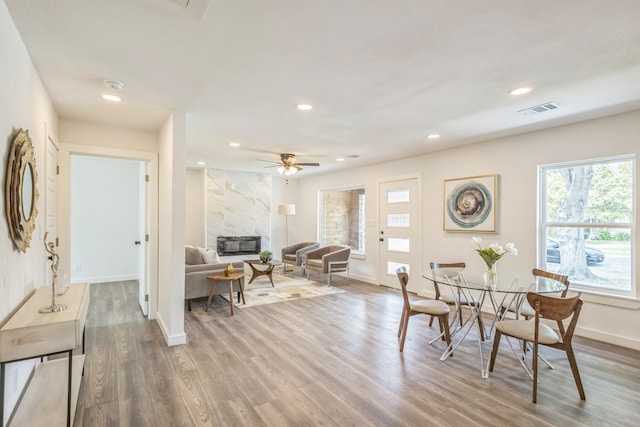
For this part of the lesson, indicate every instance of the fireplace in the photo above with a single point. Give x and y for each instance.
(238, 245)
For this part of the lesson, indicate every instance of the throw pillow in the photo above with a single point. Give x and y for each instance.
(192, 256)
(209, 256)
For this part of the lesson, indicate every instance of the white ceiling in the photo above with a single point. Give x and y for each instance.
(380, 74)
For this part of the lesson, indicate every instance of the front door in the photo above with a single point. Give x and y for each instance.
(400, 234)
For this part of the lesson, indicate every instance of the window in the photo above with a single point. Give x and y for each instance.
(342, 219)
(587, 223)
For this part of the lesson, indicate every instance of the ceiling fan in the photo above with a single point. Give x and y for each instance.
(288, 164)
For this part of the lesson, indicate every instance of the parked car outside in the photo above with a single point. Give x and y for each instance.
(593, 255)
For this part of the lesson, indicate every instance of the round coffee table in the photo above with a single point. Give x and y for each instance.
(259, 268)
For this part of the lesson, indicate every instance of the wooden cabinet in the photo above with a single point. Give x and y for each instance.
(30, 334)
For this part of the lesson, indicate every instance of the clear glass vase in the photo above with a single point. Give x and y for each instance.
(490, 275)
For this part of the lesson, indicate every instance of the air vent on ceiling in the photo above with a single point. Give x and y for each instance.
(547, 106)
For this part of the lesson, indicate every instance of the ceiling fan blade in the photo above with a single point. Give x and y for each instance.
(268, 161)
(307, 164)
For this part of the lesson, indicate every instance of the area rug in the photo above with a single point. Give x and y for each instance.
(286, 288)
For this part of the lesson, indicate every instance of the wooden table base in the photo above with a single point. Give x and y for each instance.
(267, 269)
(214, 284)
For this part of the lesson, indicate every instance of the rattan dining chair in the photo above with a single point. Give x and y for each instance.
(451, 271)
(434, 308)
(552, 308)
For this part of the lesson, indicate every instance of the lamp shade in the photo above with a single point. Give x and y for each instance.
(287, 209)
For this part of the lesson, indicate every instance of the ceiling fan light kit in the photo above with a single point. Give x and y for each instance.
(288, 165)
(287, 170)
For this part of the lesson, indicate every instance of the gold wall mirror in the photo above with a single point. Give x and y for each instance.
(21, 190)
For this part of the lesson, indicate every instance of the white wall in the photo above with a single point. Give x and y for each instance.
(172, 228)
(24, 103)
(98, 135)
(516, 160)
(105, 202)
(195, 207)
(283, 192)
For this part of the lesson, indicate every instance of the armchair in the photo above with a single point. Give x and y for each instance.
(328, 260)
(295, 254)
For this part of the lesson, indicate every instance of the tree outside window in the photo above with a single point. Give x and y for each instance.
(586, 223)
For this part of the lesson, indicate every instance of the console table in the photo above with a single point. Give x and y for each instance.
(29, 334)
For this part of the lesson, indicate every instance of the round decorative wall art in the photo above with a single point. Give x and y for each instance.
(21, 190)
(470, 204)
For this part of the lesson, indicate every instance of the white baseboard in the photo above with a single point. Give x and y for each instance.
(369, 280)
(608, 338)
(104, 279)
(171, 340)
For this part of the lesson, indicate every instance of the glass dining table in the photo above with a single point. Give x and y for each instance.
(471, 290)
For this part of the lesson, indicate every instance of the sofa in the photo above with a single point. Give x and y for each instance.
(200, 263)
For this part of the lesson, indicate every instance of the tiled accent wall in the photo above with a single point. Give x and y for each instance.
(238, 204)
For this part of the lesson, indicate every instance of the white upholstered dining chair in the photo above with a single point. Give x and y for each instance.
(553, 308)
(526, 310)
(434, 308)
(452, 271)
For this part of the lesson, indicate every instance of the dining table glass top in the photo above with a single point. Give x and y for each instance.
(507, 282)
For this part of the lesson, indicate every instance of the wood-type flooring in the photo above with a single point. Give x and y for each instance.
(329, 361)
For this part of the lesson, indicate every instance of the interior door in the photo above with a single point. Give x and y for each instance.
(400, 234)
(143, 253)
(51, 197)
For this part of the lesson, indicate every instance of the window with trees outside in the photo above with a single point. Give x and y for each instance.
(342, 218)
(587, 224)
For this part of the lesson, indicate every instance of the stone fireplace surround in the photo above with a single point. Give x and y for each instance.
(238, 245)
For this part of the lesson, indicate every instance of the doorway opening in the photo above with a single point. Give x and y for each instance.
(109, 221)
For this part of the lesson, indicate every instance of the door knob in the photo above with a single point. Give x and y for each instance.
(382, 239)
(137, 242)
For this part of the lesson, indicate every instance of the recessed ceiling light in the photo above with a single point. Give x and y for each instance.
(112, 98)
(433, 136)
(304, 107)
(201, 163)
(340, 159)
(520, 90)
(234, 144)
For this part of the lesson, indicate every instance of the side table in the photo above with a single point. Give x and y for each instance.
(239, 276)
(266, 271)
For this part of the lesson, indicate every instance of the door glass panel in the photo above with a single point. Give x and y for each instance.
(393, 266)
(400, 195)
(398, 220)
(398, 245)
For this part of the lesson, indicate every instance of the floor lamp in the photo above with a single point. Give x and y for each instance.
(286, 210)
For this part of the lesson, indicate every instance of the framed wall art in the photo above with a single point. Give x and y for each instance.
(21, 190)
(470, 204)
